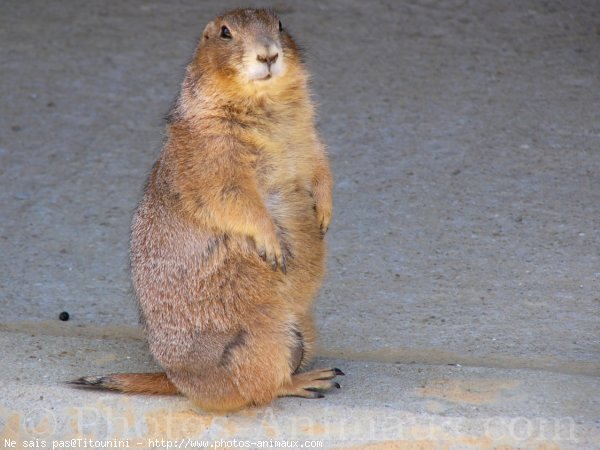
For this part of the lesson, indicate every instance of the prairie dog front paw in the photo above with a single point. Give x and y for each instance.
(269, 247)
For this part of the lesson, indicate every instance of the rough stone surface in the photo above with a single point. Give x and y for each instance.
(465, 141)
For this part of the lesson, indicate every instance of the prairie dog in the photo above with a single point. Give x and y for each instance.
(227, 248)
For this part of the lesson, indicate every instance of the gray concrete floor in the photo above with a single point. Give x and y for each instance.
(463, 295)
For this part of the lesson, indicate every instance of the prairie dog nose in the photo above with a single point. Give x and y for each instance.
(267, 58)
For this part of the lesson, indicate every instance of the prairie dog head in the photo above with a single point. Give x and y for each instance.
(249, 47)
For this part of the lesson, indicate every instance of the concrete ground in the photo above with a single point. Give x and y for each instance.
(463, 295)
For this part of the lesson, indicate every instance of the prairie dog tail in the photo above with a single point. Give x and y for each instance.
(133, 383)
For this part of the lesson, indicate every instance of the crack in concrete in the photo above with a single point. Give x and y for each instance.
(396, 355)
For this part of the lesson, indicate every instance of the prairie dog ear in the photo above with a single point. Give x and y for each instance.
(209, 31)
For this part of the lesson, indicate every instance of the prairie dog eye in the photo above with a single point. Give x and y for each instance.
(225, 33)
(280, 26)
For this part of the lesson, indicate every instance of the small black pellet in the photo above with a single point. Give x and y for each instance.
(64, 316)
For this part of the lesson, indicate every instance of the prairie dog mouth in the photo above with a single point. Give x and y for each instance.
(266, 77)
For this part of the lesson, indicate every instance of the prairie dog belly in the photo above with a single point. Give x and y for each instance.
(293, 210)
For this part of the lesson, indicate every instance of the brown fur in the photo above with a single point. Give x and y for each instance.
(242, 188)
(134, 383)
